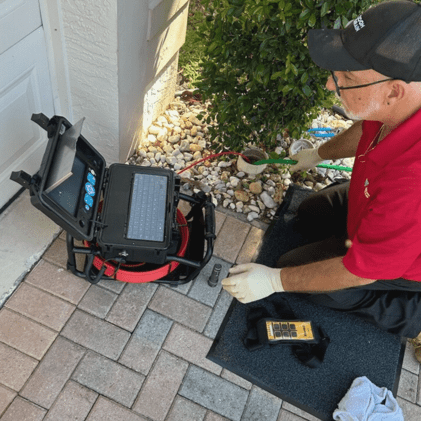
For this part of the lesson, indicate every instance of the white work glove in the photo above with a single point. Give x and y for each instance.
(252, 282)
(307, 158)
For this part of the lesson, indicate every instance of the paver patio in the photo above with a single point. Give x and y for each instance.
(135, 352)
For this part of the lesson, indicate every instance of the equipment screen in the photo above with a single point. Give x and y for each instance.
(147, 207)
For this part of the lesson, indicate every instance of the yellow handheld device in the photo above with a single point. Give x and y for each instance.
(274, 331)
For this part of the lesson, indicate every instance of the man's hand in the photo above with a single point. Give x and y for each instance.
(307, 159)
(252, 282)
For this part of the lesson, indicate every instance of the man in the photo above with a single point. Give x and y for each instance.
(366, 254)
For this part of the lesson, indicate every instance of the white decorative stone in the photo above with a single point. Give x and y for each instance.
(251, 216)
(234, 181)
(154, 130)
(261, 205)
(174, 139)
(185, 145)
(176, 152)
(267, 200)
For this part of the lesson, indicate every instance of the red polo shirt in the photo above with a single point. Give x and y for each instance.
(384, 209)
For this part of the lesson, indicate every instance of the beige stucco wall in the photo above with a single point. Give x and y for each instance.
(123, 57)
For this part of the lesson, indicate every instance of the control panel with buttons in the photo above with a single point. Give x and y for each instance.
(288, 331)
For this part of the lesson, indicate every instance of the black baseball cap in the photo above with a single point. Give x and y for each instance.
(385, 38)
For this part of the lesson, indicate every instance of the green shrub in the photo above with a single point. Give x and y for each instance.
(192, 51)
(257, 70)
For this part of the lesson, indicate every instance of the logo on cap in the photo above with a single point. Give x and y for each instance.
(359, 23)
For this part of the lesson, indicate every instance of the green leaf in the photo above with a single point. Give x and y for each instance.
(212, 46)
(276, 75)
(305, 14)
(304, 78)
(307, 91)
(312, 20)
(309, 3)
(325, 9)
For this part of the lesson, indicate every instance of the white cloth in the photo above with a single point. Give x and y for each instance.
(364, 402)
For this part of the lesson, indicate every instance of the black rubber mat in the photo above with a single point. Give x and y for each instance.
(356, 347)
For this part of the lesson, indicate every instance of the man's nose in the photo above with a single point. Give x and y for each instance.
(330, 84)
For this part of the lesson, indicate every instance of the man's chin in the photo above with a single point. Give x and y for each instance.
(351, 115)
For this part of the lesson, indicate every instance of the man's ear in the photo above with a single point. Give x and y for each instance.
(397, 91)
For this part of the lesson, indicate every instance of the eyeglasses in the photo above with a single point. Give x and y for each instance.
(339, 88)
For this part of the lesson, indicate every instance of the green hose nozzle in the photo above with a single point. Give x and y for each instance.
(292, 162)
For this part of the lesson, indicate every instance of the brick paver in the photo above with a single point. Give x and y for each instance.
(410, 411)
(161, 387)
(218, 314)
(211, 416)
(58, 281)
(408, 386)
(97, 301)
(108, 378)
(190, 346)
(219, 221)
(305, 415)
(93, 333)
(231, 239)
(15, 367)
(131, 304)
(24, 411)
(261, 405)
(180, 308)
(106, 410)
(250, 249)
(40, 306)
(73, 403)
(288, 416)
(6, 396)
(57, 253)
(233, 378)
(113, 351)
(183, 410)
(53, 372)
(214, 393)
(24, 334)
(146, 342)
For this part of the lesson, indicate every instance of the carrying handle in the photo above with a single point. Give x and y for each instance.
(22, 178)
(41, 119)
(210, 219)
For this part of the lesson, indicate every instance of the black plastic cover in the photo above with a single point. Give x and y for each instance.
(58, 189)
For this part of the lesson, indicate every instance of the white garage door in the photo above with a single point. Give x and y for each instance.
(25, 88)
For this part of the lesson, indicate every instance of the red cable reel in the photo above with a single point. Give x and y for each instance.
(145, 276)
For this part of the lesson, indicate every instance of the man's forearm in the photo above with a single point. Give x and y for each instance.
(344, 145)
(325, 276)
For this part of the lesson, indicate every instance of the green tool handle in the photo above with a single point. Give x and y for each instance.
(292, 162)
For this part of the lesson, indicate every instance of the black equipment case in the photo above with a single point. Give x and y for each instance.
(125, 214)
